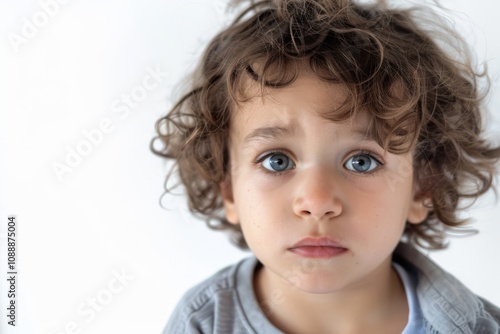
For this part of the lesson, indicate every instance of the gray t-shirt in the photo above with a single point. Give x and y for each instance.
(226, 303)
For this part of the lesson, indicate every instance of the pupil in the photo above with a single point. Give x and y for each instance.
(361, 163)
(278, 162)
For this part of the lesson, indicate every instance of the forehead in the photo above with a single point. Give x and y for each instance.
(283, 108)
(309, 89)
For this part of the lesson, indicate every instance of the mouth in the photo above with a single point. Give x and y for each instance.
(318, 248)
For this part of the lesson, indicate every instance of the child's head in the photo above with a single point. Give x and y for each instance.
(369, 68)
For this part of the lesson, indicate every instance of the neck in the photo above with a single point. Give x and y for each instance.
(378, 302)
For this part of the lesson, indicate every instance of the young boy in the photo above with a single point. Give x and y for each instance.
(330, 137)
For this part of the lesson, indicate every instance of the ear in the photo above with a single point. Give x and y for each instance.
(226, 190)
(419, 208)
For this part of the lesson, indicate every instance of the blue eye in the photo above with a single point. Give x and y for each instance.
(361, 163)
(277, 162)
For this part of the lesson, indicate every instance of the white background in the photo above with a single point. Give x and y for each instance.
(104, 217)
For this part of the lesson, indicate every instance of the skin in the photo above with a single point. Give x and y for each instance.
(319, 193)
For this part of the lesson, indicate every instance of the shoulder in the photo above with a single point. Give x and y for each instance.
(216, 297)
(492, 310)
(448, 306)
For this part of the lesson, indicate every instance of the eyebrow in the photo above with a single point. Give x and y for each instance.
(276, 132)
(268, 133)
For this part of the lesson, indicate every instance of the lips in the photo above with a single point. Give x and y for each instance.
(320, 248)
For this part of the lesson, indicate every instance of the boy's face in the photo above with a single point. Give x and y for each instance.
(296, 175)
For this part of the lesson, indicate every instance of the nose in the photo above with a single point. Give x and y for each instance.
(317, 196)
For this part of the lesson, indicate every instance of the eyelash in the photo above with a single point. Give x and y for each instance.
(372, 155)
(266, 155)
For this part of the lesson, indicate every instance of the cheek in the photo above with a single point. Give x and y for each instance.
(250, 206)
(379, 215)
(262, 212)
(262, 216)
(260, 191)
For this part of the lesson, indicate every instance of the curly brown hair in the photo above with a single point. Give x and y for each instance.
(417, 95)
